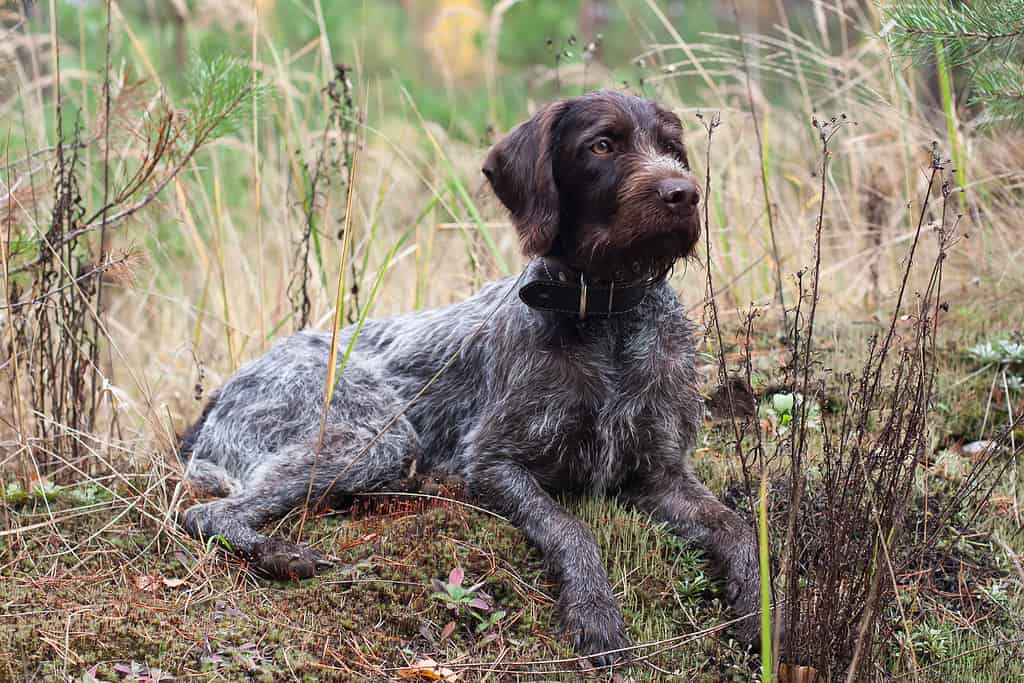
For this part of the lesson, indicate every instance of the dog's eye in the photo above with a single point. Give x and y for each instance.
(602, 147)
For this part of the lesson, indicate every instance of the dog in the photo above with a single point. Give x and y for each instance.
(575, 378)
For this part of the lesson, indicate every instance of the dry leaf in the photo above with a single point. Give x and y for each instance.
(791, 673)
(147, 583)
(430, 670)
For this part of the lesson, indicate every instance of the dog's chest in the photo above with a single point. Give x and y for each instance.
(608, 415)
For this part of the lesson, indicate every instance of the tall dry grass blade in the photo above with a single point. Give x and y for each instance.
(949, 113)
(218, 245)
(257, 184)
(339, 316)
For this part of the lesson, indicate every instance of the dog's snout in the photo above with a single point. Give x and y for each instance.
(679, 192)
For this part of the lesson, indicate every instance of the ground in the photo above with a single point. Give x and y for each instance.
(103, 586)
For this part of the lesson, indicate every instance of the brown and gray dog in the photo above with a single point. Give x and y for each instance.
(577, 377)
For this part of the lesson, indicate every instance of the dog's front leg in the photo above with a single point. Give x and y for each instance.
(587, 605)
(676, 497)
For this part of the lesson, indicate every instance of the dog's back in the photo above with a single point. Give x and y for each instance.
(277, 399)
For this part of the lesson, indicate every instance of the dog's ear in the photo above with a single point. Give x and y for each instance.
(520, 172)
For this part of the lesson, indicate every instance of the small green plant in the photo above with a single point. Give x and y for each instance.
(930, 643)
(996, 592)
(783, 404)
(87, 676)
(89, 494)
(693, 587)
(695, 582)
(42, 489)
(998, 352)
(1006, 355)
(459, 599)
(784, 408)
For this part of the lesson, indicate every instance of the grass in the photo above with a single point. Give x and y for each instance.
(134, 596)
(97, 577)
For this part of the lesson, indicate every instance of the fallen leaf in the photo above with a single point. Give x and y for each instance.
(448, 629)
(427, 633)
(430, 670)
(173, 583)
(798, 674)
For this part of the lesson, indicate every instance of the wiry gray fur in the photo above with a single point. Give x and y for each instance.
(536, 403)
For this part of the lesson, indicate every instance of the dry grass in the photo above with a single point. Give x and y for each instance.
(242, 245)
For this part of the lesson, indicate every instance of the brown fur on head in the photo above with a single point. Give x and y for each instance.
(600, 182)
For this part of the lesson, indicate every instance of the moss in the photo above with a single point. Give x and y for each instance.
(113, 606)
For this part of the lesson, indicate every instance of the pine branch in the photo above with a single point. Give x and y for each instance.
(999, 90)
(223, 91)
(985, 39)
(966, 31)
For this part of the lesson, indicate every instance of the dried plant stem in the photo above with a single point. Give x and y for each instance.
(102, 256)
(802, 359)
(711, 299)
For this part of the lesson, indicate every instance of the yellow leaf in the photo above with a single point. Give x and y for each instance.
(430, 670)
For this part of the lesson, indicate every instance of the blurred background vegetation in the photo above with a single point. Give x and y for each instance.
(434, 48)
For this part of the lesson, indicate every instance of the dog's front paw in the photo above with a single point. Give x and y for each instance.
(597, 629)
(744, 597)
(282, 560)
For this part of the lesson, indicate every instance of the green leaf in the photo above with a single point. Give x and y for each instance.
(783, 403)
(457, 592)
(225, 543)
(14, 494)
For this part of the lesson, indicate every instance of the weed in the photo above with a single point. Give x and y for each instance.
(469, 600)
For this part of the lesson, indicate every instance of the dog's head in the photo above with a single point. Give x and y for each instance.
(602, 182)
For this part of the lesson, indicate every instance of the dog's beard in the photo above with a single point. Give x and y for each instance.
(632, 253)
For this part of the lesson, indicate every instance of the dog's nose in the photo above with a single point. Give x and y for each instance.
(678, 192)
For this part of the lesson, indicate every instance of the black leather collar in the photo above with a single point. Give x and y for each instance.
(554, 287)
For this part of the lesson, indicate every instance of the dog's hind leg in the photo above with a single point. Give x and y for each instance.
(351, 459)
